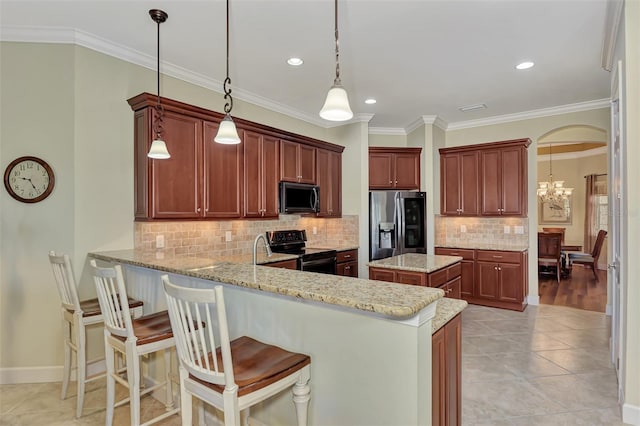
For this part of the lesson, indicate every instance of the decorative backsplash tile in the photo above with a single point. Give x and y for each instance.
(192, 237)
(470, 230)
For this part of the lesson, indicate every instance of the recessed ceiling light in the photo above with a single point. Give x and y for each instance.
(370, 101)
(525, 65)
(295, 62)
(474, 107)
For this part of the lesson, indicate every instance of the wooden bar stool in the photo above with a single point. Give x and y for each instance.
(240, 373)
(133, 338)
(76, 316)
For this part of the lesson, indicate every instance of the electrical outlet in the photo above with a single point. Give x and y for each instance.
(159, 241)
(227, 236)
(463, 228)
(315, 230)
(518, 229)
(507, 229)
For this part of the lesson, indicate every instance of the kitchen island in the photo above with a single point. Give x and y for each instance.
(369, 341)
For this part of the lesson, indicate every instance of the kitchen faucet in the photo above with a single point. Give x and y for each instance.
(255, 247)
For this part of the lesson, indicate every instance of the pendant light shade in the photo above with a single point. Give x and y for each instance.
(158, 150)
(227, 132)
(336, 106)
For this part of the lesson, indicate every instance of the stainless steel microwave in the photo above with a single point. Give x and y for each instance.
(299, 198)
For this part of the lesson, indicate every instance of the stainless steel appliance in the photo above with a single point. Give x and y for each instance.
(299, 198)
(309, 259)
(397, 223)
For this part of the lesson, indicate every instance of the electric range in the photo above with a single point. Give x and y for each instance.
(309, 259)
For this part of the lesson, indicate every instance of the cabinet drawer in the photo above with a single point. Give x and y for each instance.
(437, 278)
(454, 271)
(465, 253)
(498, 256)
(347, 256)
(348, 269)
(286, 264)
(413, 278)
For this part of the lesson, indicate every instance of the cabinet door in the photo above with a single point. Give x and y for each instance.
(306, 164)
(406, 168)
(323, 178)
(438, 378)
(381, 274)
(452, 290)
(450, 185)
(453, 351)
(510, 283)
(512, 182)
(285, 264)
(413, 278)
(491, 182)
(335, 172)
(289, 161)
(348, 269)
(269, 154)
(380, 171)
(469, 184)
(467, 278)
(222, 176)
(176, 182)
(487, 279)
(252, 174)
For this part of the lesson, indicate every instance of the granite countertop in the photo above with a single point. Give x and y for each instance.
(486, 246)
(416, 262)
(446, 309)
(385, 298)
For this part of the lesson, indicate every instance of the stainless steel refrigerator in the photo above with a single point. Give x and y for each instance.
(397, 223)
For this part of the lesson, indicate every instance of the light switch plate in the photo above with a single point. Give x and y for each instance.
(518, 229)
(463, 228)
(227, 236)
(507, 229)
(315, 230)
(159, 241)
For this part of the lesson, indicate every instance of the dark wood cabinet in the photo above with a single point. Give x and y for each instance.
(467, 276)
(447, 278)
(286, 264)
(459, 184)
(485, 179)
(379, 274)
(329, 179)
(206, 180)
(297, 162)
(261, 175)
(347, 263)
(446, 369)
(223, 176)
(394, 168)
(503, 176)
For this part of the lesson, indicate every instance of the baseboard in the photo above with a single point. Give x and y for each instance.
(533, 300)
(19, 375)
(631, 414)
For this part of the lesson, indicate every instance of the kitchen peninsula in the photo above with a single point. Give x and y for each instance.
(357, 331)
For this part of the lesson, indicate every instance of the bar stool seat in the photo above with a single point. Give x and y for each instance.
(76, 316)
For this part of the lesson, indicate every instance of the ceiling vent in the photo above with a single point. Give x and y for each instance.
(468, 108)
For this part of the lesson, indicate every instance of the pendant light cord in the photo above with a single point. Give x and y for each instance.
(337, 80)
(227, 81)
(550, 165)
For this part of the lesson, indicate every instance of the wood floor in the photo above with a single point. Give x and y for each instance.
(580, 290)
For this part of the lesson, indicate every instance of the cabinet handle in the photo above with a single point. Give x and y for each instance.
(198, 210)
(497, 257)
(390, 181)
(347, 256)
(454, 254)
(495, 268)
(346, 268)
(499, 268)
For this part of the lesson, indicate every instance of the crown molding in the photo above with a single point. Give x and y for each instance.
(390, 131)
(610, 36)
(527, 115)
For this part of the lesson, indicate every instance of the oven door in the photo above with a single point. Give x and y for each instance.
(325, 265)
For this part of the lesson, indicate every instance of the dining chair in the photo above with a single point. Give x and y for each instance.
(76, 316)
(550, 251)
(559, 230)
(590, 259)
(134, 338)
(229, 375)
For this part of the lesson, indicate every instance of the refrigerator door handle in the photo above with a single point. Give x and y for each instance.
(399, 221)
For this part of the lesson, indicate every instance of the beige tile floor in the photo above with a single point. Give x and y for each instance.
(545, 366)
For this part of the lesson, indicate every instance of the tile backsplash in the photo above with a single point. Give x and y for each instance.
(193, 237)
(470, 230)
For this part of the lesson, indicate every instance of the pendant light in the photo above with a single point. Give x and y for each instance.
(158, 148)
(227, 133)
(336, 106)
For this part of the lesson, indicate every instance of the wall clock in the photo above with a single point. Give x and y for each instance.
(29, 179)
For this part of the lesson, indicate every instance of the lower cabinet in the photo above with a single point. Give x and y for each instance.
(286, 264)
(446, 346)
(348, 263)
(492, 278)
(447, 278)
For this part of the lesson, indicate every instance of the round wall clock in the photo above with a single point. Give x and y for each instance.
(29, 179)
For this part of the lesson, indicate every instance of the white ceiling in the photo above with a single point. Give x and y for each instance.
(417, 58)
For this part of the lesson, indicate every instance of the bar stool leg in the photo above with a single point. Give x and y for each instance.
(133, 377)
(81, 354)
(301, 397)
(110, 355)
(168, 389)
(66, 375)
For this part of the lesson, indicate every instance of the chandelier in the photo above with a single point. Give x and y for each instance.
(553, 191)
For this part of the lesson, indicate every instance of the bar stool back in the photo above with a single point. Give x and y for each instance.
(133, 338)
(76, 315)
(229, 375)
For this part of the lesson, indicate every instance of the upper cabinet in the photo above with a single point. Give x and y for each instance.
(394, 168)
(485, 179)
(207, 180)
(297, 162)
(329, 179)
